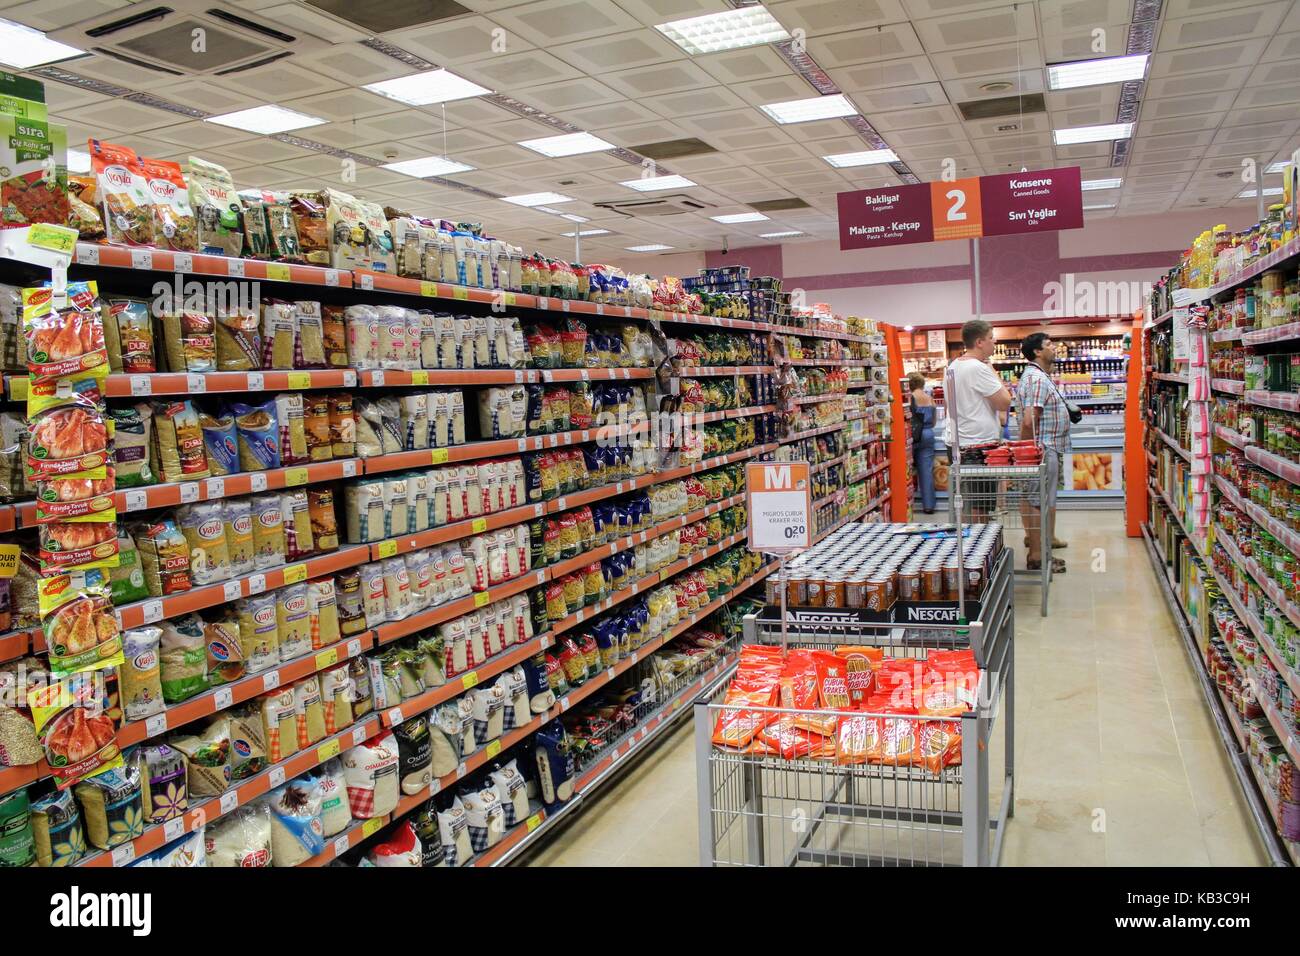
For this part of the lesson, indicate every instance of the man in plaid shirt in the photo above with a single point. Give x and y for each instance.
(1044, 417)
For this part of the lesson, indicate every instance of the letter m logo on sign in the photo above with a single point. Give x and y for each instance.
(777, 477)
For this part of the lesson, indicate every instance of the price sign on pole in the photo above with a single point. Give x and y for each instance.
(779, 495)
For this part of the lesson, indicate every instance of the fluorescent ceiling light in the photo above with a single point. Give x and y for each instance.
(1102, 183)
(1268, 191)
(812, 108)
(574, 217)
(22, 47)
(740, 217)
(651, 183)
(1091, 134)
(431, 86)
(1111, 69)
(652, 247)
(427, 166)
(728, 30)
(78, 161)
(779, 235)
(536, 199)
(569, 145)
(1104, 205)
(586, 232)
(1275, 167)
(867, 157)
(266, 119)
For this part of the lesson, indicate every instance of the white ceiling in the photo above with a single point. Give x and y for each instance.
(1223, 86)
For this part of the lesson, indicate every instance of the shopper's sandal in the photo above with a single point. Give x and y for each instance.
(1058, 543)
(1058, 566)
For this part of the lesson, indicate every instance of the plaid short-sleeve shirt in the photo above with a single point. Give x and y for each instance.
(1037, 391)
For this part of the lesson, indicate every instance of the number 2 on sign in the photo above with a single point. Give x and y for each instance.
(956, 209)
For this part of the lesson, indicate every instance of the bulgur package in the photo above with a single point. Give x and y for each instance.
(336, 695)
(164, 557)
(334, 330)
(351, 602)
(132, 434)
(216, 209)
(324, 524)
(323, 613)
(280, 724)
(310, 219)
(343, 431)
(204, 529)
(163, 789)
(279, 334)
(237, 517)
(311, 711)
(238, 340)
(247, 741)
(362, 323)
(259, 633)
(189, 340)
(139, 677)
(126, 581)
(372, 592)
(311, 335)
(173, 219)
(316, 422)
(297, 831)
(257, 430)
(290, 414)
(298, 539)
(269, 546)
(178, 435)
(221, 633)
(220, 442)
(123, 190)
(183, 658)
(292, 621)
(129, 320)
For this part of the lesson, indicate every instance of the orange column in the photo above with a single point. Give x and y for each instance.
(1135, 456)
(900, 502)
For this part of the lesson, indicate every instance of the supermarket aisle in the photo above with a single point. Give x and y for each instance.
(1118, 761)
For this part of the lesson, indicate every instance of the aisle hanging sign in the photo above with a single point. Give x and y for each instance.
(779, 496)
(1043, 200)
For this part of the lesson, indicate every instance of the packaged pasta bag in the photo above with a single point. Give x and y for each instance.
(512, 791)
(553, 756)
(173, 219)
(139, 676)
(78, 737)
(221, 632)
(322, 611)
(425, 824)
(297, 830)
(269, 545)
(183, 658)
(216, 209)
(79, 626)
(298, 539)
(343, 426)
(371, 771)
(123, 190)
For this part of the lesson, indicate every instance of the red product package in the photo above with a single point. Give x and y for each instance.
(939, 744)
(900, 681)
(861, 664)
(951, 684)
(894, 740)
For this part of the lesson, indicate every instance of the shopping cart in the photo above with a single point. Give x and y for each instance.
(765, 810)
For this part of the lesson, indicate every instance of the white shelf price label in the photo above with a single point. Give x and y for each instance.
(395, 716)
(257, 481)
(182, 262)
(152, 611)
(354, 647)
(155, 725)
(173, 828)
(223, 698)
(136, 500)
(232, 590)
(349, 378)
(271, 681)
(256, 583)
(349, 469)
(229, 801)
(368, 283)
(141, 385)
(190, 492)
(87, 255)
(141, 258)
(609, 674)
(256, 381)
(564, 703)
(341, 846)
(215, 488)
(235, 267)
(123, 854)
(461, 769)
(276, 776)
(358, 734)
(196, 383)
(332, 277)
(377, 377)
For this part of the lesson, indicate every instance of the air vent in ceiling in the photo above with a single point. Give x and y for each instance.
(254, 64)
(185, 38)
(381, 16)
(778, 205)
(673, 148)
(1002, 106)
(655, 205)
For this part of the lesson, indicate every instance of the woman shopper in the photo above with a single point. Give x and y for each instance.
(923, 439)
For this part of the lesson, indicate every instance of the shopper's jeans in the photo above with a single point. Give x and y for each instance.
(923, 455)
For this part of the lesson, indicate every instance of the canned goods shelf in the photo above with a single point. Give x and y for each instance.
(1282, 467)
(1277, 333)
(1230, 386)
(1231, 437)
(1283, 401)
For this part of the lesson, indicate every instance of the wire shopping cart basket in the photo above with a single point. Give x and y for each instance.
(830, 808)
(1008, 494)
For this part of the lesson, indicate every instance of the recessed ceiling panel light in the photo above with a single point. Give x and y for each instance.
(574, 217)
(728, 30)
(1102, 183)
(1091, 134)
(812, 108)
(1111, 69)
(780, 235)
(427, 166)
(537, 199)
(22, 47)
(569, 145)
(266, 119)
(586, 232)
(866, 157)
(651, 183)
(652, 247)
(431, 86)
(78, 161)
(740, 217)
(1275, 167)
(1268, 191)
(1106, 205)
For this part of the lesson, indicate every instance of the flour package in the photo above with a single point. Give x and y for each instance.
(489, 713)
(512, 791)
(187, 851)
(514, 688)
(371, 772)
(486, 817)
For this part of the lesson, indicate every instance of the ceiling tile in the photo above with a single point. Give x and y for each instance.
(561, 21)
(865, 46)
(818, 17)
(620, 51)
(744, 65)
(978, 28)
(872, 76)
(1238, 23)
(460, 40)
(678, 105)
(674, 77)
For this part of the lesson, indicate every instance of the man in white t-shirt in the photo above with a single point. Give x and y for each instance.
(980, 398)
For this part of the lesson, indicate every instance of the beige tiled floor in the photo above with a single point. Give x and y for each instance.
(1117, 761)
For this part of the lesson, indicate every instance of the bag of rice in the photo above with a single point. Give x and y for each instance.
(216, 209)
(241, 838)
(183, 659)
(453, 831)
(259, 633)
(292, 621)
(164, 789)
(363, 700)
(297, 831)
(204, 529)
(485, 815)
(332, 791)
(17, 847)
(56, 830)
(139, 681)
(225, 651)
(207, 758)
(372, 592)
(402, 848)
(247, 741)
(111, 806)
(322, 611)
(126, 581)
(298, 539)
(414, 754)
(371, 771)
(512, 790)
(237, 518)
